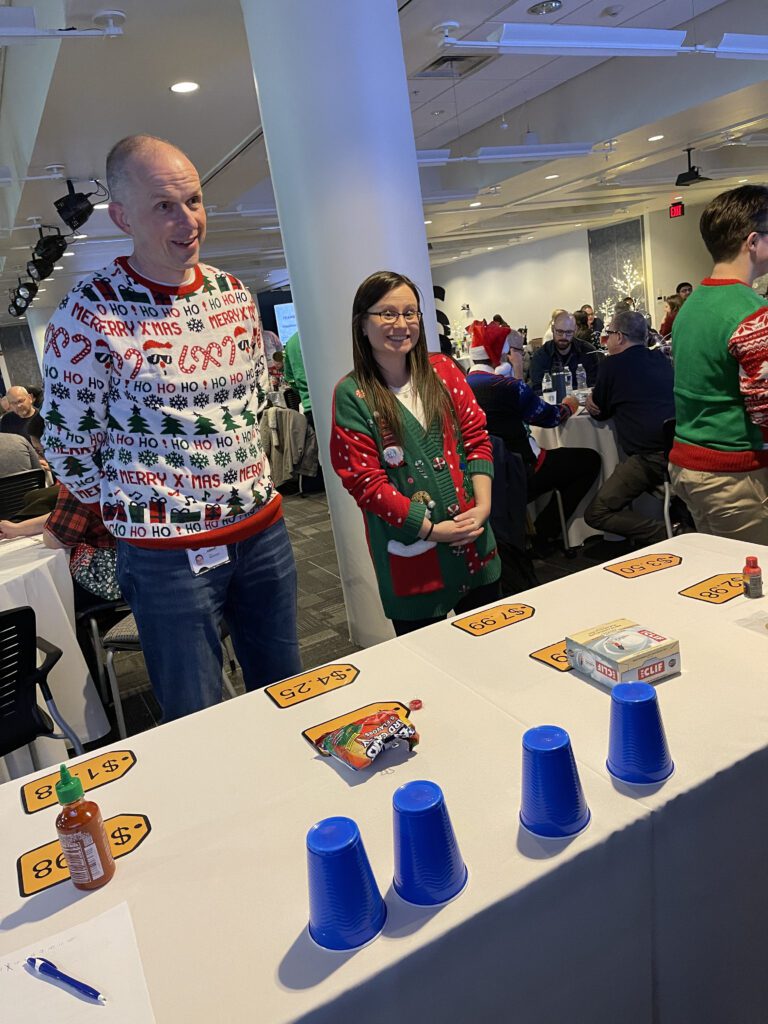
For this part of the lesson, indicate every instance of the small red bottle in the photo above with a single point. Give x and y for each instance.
(752, 575)
(81, 833)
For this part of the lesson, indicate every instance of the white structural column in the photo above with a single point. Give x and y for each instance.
(37, 321)
(333, 95)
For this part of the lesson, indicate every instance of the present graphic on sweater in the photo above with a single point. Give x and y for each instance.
(212, 513)
(157, 509)
(116, 510)
(184, 515)
(136, 511)
(130, 294)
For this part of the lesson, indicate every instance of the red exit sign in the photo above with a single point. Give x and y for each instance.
(677, 210)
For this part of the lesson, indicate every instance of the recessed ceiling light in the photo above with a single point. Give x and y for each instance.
(58, 268)
(678, 199)
(437, 113)
(546, 7)
(41, 290)
(743, 181)
(101, 206)
(530, 237)
(185, 87)
(454, 257)
(475, 204)
(551, 177)
(427, 221)
(79, 238)
(489, 248)
(577, 225)
(655, 138)
(68, 254)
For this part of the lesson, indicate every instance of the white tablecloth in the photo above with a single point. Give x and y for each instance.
(31, 574)
(583, 432)
(655, 913)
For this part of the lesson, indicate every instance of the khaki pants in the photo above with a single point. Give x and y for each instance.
(725, 504)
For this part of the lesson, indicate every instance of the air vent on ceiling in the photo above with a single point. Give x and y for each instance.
(455, 66)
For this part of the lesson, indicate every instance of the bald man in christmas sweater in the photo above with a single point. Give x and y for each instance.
(155, 371)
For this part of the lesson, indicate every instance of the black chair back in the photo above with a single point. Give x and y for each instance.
(14, 488)
(21, 720)
(668, 433)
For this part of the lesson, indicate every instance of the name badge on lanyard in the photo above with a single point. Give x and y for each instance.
(204, 559)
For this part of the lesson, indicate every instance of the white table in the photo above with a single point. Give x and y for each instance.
(31, 574)
(614, 925)
(710, 837)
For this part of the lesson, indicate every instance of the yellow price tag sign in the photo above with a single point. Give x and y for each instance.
(716, 589)
(633, 568)
(46, 865)
(490, 619)
(554, 656)
(97, 771)
(292, 691)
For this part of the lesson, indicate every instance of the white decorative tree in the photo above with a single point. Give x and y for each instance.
(630, 283)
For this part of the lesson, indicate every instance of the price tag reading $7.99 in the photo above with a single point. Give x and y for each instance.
(97, 771)
(490, 619)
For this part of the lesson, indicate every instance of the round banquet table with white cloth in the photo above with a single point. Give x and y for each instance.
(32, 574)
(583, 432)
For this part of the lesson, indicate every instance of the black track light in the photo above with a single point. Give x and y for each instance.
(74, 208)
(26, 290)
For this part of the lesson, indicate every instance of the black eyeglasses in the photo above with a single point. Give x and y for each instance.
(390, 316)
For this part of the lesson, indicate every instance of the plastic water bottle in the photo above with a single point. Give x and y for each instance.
(581, 377)
(548, 390)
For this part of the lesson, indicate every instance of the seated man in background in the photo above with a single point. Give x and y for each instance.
(24, 418)
(634, 386)
(563, 353)
(719, 461)
(509, 405)
(16, 455)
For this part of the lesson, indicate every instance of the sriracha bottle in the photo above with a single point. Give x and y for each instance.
(81, 832)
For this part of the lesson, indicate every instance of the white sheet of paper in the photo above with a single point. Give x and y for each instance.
(103, 953)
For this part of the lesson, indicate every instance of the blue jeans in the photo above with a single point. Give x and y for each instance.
(179, 615)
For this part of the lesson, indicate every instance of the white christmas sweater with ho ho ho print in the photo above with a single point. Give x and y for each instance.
(151, 397)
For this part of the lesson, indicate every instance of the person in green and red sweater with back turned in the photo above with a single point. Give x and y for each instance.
(410, 445)
(719, 461)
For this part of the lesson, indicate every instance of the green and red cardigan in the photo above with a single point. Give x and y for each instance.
(395, 485)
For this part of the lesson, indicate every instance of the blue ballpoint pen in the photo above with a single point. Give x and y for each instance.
(44, 967)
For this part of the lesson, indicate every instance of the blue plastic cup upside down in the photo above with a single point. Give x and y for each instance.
(345, 906)
(552, 804)
(429, 868)
(637, 747)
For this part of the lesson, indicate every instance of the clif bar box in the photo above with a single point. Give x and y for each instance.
(623, 652)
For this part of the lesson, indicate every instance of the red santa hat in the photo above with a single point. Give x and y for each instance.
(489, 342)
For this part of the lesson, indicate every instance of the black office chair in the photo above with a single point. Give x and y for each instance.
(21, 719)
(14, 488)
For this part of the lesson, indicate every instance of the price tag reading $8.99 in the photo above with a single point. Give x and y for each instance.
(292, 691)
(716, 589)
(46, 866)
(632, 568)
(490, 619)
(97, 771)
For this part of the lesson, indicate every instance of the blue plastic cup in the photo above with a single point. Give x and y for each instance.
(345, 906)
(429, 868)
(553, 804)
(637, 747)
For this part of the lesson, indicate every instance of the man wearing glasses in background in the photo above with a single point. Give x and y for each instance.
(563, 353)
(634, 387)
(719, 461)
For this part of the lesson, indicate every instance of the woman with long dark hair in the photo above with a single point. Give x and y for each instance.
(410, 445)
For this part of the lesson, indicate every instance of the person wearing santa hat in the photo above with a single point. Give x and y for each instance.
(509, 406)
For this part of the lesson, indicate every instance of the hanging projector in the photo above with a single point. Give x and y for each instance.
(692, 175)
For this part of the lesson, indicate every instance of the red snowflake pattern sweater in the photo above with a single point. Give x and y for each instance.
(151, 402)
(396, 485)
